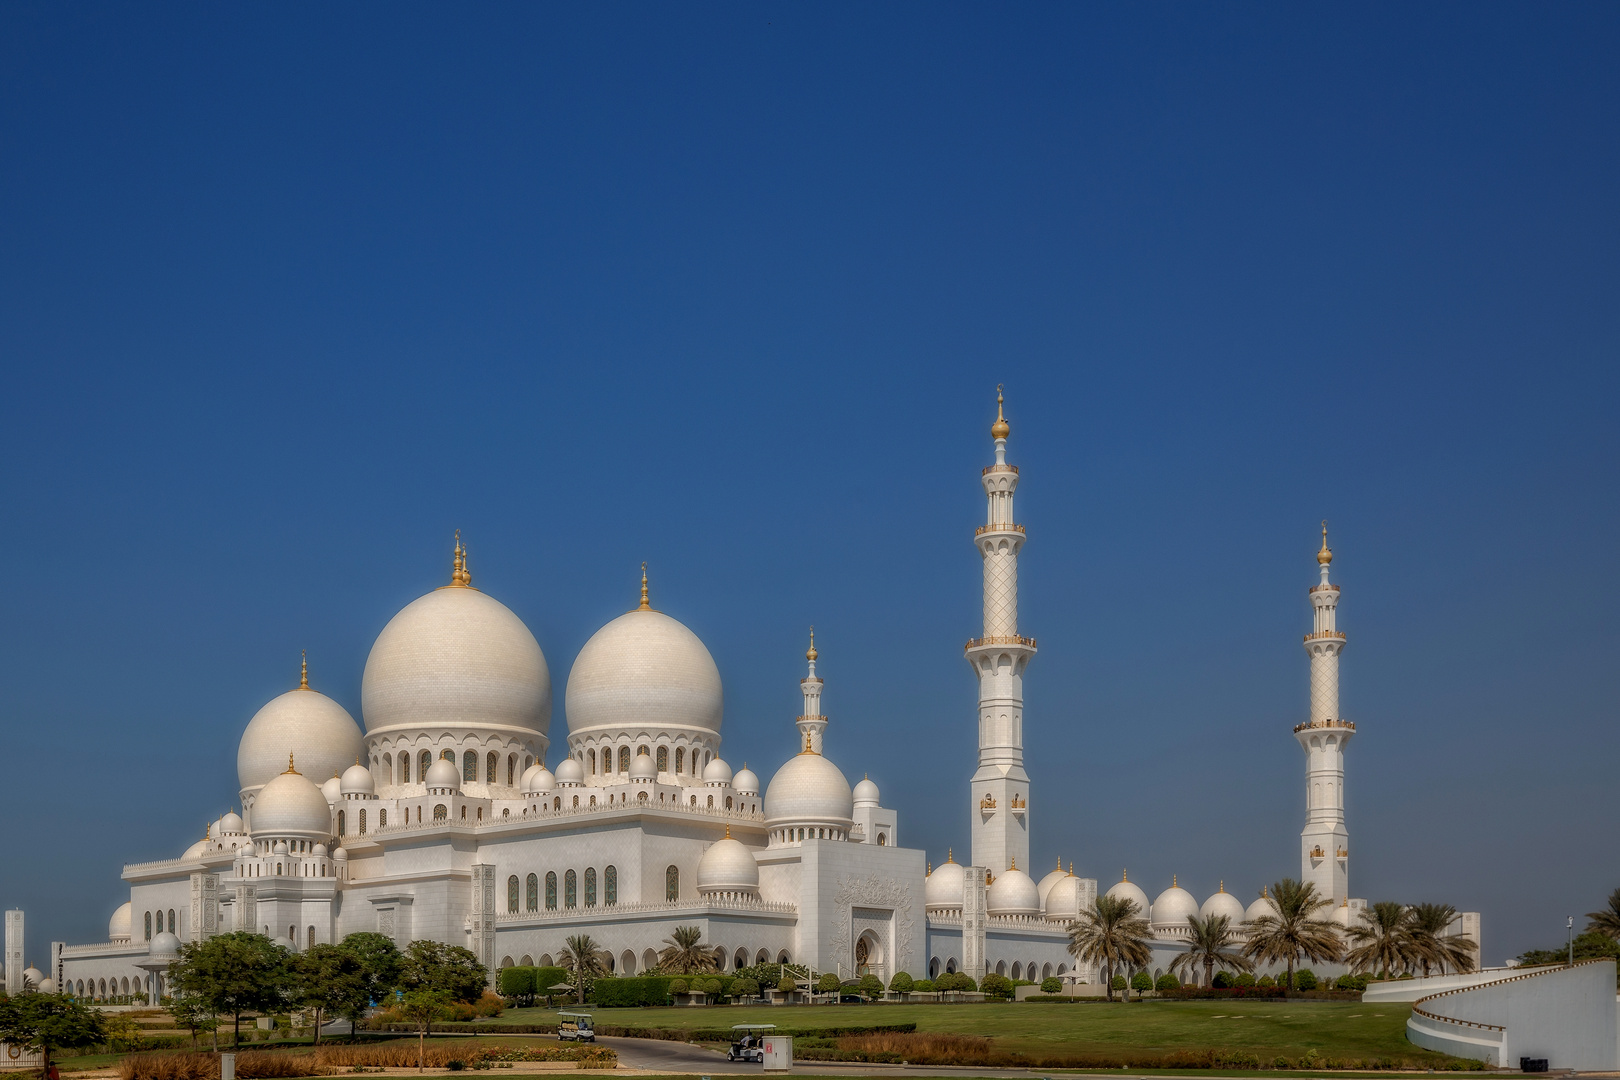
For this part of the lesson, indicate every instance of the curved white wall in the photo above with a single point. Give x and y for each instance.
(1567, 1015)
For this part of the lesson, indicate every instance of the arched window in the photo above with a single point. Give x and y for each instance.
(362, 823)
(590, 756)
(511, 770)
(527, 761)
(624, 759)
(404, 768)
(343, 826)
(311, 944)
(883, 838)
(423, 762)
(590, 886)
(680, 758)
(148, 926)
(512, 894)
(382, 819)
(663, 759)
(532, 893)
(593, 800)
(551, 890)
(672, 884)
(469, 767)
(728, 807)
(441, 812)
(570, 890)
(464, 813)
(576, 802)
(610, 885)
(711, 802)
(171, 920)
(556, 803)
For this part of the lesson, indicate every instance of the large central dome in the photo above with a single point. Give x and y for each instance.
(456, 658)
(644, 672)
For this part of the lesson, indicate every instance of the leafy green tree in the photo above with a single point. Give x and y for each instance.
(1266, 980)
(996, 986)
(517, 983)
(679, 986)
(330, 980)
(1294, 930)
(744, 987)
(230, 974)
(786, 984)
(923, 986)
(1116, 983)
(124, 1033)
(1167, 981)
(47, 1022)
(1588, 946)
(433, 965)
(1606, 921)
(1212, 944)
(1222, 980)
(870, 986)
(584, 961)
(1305, 979)
(1141, 982)
(421, 1008)
(1244, 979)
(1052, 985)
(1112, 933)
(684, 953)
(828, 982)
(901, 983)
(1382, 939)
(1430, 943)
(189, 1012)
(380, 960)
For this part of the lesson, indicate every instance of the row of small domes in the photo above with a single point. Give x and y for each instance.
(1173, 906)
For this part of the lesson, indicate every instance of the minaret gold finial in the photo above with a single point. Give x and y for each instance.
(303, 670)
(811, 654)
(1173, 883)
(950, 855)
(1223, 885)
(645, 604)
(459, 575)
(1325, 556)
(1124, 875)
(290, 767)
(1000, 429)
(728, 830)
(1060, 864)
(1014, 865)
(1071, 868)
(807, 749)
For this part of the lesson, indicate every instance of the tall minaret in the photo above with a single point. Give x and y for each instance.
(811, 723)
(1000, 786)
(1324, 844)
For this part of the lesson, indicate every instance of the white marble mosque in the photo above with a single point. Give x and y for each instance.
(447, 816)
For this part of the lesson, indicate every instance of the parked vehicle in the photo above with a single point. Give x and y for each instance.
(748, 1042)
(576, 1026)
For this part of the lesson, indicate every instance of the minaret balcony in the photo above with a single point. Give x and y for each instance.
(999, 639)
(1326, 635)
(1009, 527)
(988, 469)
(1343, 725)
(1324, 588)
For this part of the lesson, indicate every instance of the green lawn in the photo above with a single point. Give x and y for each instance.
(1331, 1028)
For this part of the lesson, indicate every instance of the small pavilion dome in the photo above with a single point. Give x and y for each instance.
(728, 867)
(570, 772)
(443, 775)
(1130, 891)
(1223, 903)
(1051, 879)
(537, 779)
(1265, 905)
(745, 781)
(943, 889)
(1064, 899)
(717, 773)
(1013, 893)
(163, 944)
(642, 767)
(1171, 909)
(118, 927)
(866, 792)
(357, 780)
(290, 805)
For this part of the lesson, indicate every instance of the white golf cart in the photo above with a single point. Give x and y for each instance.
(748, 1042)
(576, 1026)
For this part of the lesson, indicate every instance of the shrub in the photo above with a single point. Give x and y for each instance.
(1222, 980)
(1052, 985)
(517, 983)
(996, 986)
(1167, 981)
(1351, 982)
(870, 986)
(1244, 979)
(786, 984)
(923, 986)
(1118, 983)
(1266, 980)
(1141, 982)
(633, 992)
(678, 986)
(828, 982)
(1304, 979)
(713, 987)
(745, 987)
(901, 983)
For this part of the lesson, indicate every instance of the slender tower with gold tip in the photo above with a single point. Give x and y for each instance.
(1000, 787)
(1324, 843)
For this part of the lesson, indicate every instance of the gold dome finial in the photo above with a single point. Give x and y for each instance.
(811, 654)
(1000, 429)
(1071, 868)
(1223, 885)
(728, 830)
(290, 767)
(1173, 883)
(950, 855)
(1014, 865)
(646, 605)
(1325, 556)
(807, 748)
(1060, 864)
(303, 670)
(459, 574)
(930, 870)
(1124, 875)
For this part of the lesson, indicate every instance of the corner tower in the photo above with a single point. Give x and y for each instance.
(1000, 787)
(1325, 844)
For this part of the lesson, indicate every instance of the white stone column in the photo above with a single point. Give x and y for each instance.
(1324, 842)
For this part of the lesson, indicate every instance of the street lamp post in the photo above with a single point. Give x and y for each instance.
(1570, 924)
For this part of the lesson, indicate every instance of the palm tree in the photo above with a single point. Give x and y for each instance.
(1385, 938)
(1211, 937)
(1607, 921)
(685, 956)
(1294, 931)
(1430, 944)
(1112, 933)
(583, 961)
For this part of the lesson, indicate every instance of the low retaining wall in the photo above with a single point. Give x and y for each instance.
(1567, 1015)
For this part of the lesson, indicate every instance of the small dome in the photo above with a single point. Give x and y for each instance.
(357, 781)
(570, 771)
(285, 942)
(809, 789)
(943, 889)
(196, 851)
(280, 848)
(728, 866)
(230, 825)
(319, 851)
(1343, 916)
(456, 658)
(642, 767)
(341, 854)
(290, 805)
(318, 731)
(118, 927)
(1223, 903)
(1064, 899)
(1129, 891)
(443, 774)
(1171, 909)
(746, 782)
(1014, 893)
(866, 793)
(47, 985)
(332, 789)
(717, 772)
(33, 977)
(1265, 905)
(644, 671)
(537, 779)
(163, 945)
(1051, 879)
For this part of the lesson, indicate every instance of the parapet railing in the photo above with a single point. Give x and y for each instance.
(649, 906)
(988, 469)
(1008, 527)
(1325, 588)
(1417, 1005)
(1325, 635)
(1349, 725)
(1000, 639)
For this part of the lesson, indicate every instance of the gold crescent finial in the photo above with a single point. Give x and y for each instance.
(811, 653)
(1000, 429)
(459, 574)
(303, 670)
(645, 604)
(1325, 556)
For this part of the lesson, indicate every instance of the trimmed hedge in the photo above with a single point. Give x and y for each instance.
(632, 993)
(724, 1034)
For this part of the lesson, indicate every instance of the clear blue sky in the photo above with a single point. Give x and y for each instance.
(287, 294)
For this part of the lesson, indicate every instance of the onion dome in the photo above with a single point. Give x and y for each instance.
(163, 945)
(1325, 556)
(644, 671)
(456, 658)
(302, 722)
(229, 825)
(1065, 898)
(1126, 890)
(809, 790)
(443, 775)
(728, 867)
(1263, 906)
(1051, 879)
(866, 792)
(1171, 909)
(1013, 893)
(537, 779)
(357, 781)
(643, 768)
(291, 806)
(118, 927)
(943, 889)
(570, 772)
(1223, 903)
(717, 773)
(999, 429)
(746, 782)
(333, 789)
